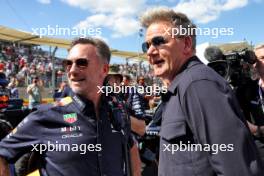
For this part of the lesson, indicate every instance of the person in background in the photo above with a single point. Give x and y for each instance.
(63, 91)
(34, 93)
(12, 86)
(145, 95)
(135, 105)
(251, 100)
(66, 90)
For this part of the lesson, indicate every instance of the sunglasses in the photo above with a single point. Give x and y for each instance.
(80, 63)
(155, 41)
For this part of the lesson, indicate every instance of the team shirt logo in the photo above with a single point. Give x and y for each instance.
(70, 118)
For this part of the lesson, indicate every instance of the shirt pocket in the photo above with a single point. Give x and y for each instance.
(173, 131)
(174, 141)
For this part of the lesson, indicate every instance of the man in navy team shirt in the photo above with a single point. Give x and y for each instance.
(77, 133)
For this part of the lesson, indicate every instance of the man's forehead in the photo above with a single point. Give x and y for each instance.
(159, 28)
(82, 51)
(259, 52)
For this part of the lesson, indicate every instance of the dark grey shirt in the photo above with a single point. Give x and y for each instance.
(203, 131)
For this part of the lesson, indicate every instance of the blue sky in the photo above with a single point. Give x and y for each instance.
(117, 21)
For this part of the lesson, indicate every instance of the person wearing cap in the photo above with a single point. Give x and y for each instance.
(114, 78)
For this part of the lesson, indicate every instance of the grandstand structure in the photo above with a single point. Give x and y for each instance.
(18, 36)
(24, 38)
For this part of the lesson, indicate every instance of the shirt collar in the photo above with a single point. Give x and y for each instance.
(194, 60)
(189, 63)
(82, 103)
(86, 106)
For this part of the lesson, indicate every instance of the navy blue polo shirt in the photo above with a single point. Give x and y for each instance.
(84, 145)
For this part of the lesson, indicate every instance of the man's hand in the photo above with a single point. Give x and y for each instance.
(252, 127)
(256, 130)
(4, 167)
(29, 89)
(135, 161)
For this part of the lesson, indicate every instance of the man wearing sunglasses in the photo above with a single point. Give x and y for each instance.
(203, 131)
(78, 134)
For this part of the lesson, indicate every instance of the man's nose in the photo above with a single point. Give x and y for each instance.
(73, 68)
(152, 50)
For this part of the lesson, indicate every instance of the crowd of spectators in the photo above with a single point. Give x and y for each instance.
(21, 64)
(24, 62)
(134, 70)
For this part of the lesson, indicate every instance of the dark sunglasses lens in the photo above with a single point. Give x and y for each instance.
(79, 63)
(156, 41)
(67, 63)
(82, 62)
(145, 47)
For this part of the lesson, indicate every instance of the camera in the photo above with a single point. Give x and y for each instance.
(247, 56)
(235, 67)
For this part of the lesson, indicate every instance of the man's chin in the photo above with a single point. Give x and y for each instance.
(77, 90)
(159, 73)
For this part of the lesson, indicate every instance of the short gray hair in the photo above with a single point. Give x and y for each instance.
(259, 46)
(162, 14)
(103, 50)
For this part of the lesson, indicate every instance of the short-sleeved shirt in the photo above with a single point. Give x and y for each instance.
(35, 97)
(84, 145)
(200, 108)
